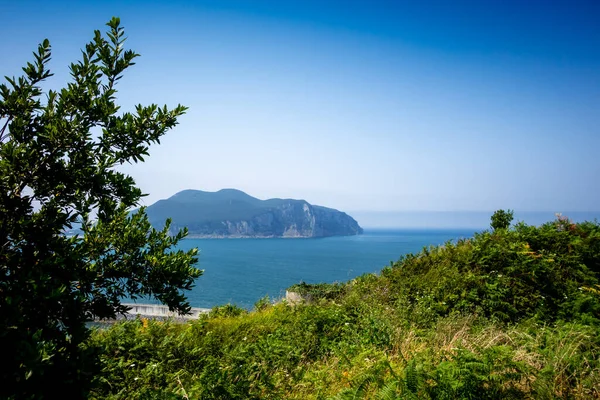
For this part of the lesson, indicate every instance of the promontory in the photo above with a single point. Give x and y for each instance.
(231, 213)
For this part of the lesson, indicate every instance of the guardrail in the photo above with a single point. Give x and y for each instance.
(158, 310)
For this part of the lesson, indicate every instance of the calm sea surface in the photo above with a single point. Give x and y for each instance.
(241, 271)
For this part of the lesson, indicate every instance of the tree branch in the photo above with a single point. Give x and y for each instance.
(2, 137)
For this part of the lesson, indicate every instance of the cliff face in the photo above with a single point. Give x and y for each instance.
(231, 213)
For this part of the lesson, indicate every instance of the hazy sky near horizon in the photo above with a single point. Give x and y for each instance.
(356, 105)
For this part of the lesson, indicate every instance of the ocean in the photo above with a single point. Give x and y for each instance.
(242, 271)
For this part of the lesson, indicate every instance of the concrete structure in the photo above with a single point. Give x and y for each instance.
(160, 311)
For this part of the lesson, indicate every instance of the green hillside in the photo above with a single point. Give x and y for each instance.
(508, 314)
(191, 206)
(231, 212)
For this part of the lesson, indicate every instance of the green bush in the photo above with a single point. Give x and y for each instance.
(501, 219)
(228, 310)
(511, 313)
(318, 291)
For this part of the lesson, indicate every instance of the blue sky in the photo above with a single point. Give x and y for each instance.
(357, 105)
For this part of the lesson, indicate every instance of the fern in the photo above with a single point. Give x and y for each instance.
(411, 377)
(389, 391)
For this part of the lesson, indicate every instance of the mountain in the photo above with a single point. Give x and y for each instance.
(233, 213)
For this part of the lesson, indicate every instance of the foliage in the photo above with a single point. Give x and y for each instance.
(506, 275)
(262, 303)
(59, 154)
(512, 313)
(317, 291)
(228, 310)
(501, 219)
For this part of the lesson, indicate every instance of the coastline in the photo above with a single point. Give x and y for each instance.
(215, 236)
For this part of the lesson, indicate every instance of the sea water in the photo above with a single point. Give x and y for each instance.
(242, 271)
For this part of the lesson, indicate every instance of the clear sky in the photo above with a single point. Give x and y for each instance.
(356, 105)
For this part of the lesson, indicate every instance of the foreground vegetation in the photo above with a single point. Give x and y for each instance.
(509, 313)
(60, 157)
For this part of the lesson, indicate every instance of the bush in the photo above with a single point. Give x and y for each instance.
(511, 313)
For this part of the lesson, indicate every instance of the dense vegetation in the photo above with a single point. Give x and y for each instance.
(510, 313)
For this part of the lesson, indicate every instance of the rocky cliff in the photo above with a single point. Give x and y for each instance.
(232, 213)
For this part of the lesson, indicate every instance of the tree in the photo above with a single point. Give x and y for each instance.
(501, 219)
(59, 155)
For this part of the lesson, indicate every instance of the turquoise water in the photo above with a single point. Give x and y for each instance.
(241, 271)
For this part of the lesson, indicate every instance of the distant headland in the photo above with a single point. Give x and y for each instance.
(231, 213)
